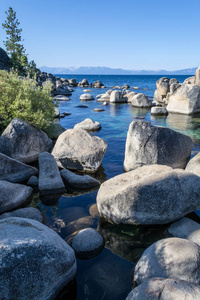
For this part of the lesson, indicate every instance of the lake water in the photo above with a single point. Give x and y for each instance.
(108, 276)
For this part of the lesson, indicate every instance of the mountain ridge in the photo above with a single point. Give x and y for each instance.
(113, 71)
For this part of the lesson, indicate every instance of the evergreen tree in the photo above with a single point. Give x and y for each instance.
(14, 46)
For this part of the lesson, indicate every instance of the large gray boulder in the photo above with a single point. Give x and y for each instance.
(170, 258)
(97, 84)
(24, 142)
(187, 229)
(83, 83)
(35, 262)
(26, 212)
(14, 171)
(165, 289)
(78, 182)
(147, 144)
(117, 97)
(129, 96)
(76, 149)
(194, 165)
(50, 181)
(72, 82)
(153, 194)
(186, 100)
(141, 100)
(89, 125)
(13, 195)
(63, 90)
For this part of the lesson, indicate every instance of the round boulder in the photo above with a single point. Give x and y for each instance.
(141, 100)
(87, 243)
(89, 125)
(170, 258)
(86, 97)
(35, 262)
(152, 194)
(76, 149)
(165, 289)
(24, 142)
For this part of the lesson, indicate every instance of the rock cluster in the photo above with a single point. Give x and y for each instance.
(117, 96)
(178, 98)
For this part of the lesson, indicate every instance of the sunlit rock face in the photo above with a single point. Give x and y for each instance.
(147, 144)
(160, 288)
(76, 149)
(170, 258)
(153, 194)
(186, 100)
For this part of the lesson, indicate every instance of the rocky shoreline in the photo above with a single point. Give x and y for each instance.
(160, 185)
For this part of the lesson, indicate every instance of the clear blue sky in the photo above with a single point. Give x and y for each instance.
(129, 34)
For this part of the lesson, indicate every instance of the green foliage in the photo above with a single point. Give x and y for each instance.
(14, 47)
(22, 98)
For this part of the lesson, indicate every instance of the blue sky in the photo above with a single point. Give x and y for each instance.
(129, 34)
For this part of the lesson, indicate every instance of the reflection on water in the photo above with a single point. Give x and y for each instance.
(129, 241)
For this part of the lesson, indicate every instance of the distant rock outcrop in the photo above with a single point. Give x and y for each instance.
(4, 60)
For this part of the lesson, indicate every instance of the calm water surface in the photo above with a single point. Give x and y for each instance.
(108, 276)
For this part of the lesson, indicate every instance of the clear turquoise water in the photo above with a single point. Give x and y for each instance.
(108, 276)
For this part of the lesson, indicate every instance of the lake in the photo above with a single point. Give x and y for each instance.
(108, 276)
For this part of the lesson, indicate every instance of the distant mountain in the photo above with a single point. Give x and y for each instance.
(110, 71)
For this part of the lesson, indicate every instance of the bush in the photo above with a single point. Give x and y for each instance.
(22, 98)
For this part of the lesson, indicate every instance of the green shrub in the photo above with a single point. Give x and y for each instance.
(22, 98)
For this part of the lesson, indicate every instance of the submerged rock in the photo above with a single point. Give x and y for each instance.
(89, 125)
(147, 144)
(170, 258)
(165, 289)
(50, 181)
(153, 194)
(24, 142)
(76, 149)
(13, 195)
(35, 262)
(14, 171)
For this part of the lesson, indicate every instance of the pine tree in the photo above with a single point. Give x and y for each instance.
(13, 40)
(13, 43)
